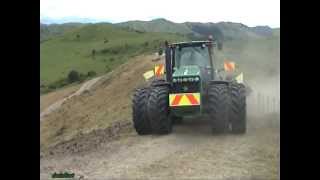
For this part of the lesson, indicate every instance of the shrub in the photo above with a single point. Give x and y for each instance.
(107, 68)
(93, 53)
(160, 52)
(104, 51)
(114, 51)
(52, 86)
(91, 73)
(137, 31)
(82, 77)
(73, 76)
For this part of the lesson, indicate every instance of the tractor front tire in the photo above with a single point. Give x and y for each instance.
(158, 110)
(237, 111)
(139, 109)
(218, 108)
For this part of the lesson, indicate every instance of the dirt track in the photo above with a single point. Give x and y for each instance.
(86, 86)
(190, 152)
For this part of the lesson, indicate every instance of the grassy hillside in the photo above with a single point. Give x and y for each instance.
(50, 31)
(101, 47)
(157, 25)
(112, 46)
(255, 49)
(196, 30)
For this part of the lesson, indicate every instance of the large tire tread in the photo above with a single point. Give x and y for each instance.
(158, 110)
(218, 108)
(237, 113)
(139, 109)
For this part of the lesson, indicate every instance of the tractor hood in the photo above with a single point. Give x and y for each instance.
(191, 70)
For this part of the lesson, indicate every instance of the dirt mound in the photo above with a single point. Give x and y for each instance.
(107, 102)
(83, 143)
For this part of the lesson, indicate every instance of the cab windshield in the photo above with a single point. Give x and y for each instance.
(192, 56)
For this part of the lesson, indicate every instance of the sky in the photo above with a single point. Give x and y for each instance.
(249, 12)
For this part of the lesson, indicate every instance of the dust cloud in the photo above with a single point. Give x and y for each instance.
(263, 104)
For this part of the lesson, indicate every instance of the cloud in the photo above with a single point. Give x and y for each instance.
(249, 12)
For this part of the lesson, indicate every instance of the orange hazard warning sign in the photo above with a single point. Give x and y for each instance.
(159, 70)
(229, 66)
(184, 99)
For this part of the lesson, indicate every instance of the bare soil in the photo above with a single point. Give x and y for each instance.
(190, 152)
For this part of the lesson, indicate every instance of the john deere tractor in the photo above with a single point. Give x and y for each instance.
(191, 88)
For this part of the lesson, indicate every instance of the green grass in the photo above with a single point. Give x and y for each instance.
(256, 56)
(61, 54)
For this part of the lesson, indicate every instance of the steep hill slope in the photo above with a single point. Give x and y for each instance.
(157, 25)
(196, 30)
(50, 31)
(109, 102)
(94, 47)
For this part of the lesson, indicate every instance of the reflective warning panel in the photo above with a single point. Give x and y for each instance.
(229, 66)
(184, 99)
(149, 74)
(159, 70)
(239, 78)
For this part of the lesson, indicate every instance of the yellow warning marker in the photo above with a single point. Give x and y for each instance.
(239, 78)
(159, 70)
(229, 66)
(149, 74)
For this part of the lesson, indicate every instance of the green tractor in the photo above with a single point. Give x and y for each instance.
(192, 87)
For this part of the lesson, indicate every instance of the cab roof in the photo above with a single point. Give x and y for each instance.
(191, 43)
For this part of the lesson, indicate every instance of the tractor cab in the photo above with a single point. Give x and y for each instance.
(189, 60)
(192, 62)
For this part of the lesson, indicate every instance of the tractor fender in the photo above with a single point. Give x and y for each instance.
(220, 82)
(159, 82)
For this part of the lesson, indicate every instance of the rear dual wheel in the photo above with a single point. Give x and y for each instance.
(139, 109)
(158, 110)
(218, 108)
(237, 110)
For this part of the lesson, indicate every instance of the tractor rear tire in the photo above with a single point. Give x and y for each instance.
(237, 111)
(218, 108)
(158, 110)
(139, 109)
